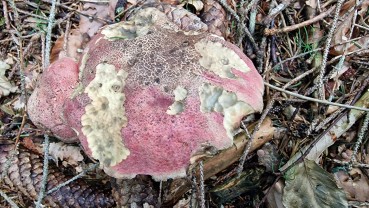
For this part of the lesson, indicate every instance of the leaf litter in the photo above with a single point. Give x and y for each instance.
(283, 57)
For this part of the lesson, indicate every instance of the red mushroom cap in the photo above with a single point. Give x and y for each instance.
(150, 96)
(45, 105)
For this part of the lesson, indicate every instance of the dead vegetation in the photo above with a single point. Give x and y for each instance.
(313, 56)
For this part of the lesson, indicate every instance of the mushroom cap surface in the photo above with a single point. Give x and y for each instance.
(150, 96)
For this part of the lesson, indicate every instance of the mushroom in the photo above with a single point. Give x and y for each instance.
(45, 105)
(149, 96)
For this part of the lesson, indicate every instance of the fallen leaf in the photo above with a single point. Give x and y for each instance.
(68, 153)
(309, 185)
(5, 86)
(355, 183)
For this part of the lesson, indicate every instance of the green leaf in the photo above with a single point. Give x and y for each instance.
(308, 185)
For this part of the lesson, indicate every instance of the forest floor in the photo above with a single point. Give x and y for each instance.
(314, 59)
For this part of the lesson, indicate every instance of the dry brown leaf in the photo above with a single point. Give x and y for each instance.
(28, 143)
(5, 86)
(355, 184)
(70, 155)
(343, 30)
(101, 11)
(76, 42)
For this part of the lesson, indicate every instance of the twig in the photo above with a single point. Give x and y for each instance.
(16, 15)
(48, 34)
(249, 6)
(360, 137)
(202, 186)
(230, 10)
(160, 192)
(270, 32)
(8, 199)
(5, 14)
(245, 152)
(79, 12)
(31, 14)
(320, 83)
(81, 174)
(329, 136)
(8, 162)
(274, 12)
(250, 142)
(317, 100)
(242, 26)
(354, 164)
(43, 50)
(319, 49)
(45, 171)
(252, 22)
(260, 54)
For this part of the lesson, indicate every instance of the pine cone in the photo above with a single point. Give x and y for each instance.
(136, 192)
(25, 175)
(215, 18)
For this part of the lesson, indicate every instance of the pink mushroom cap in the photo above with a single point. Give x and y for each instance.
(150, 96)
(45, 105)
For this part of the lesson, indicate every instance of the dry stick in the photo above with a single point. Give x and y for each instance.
(306, 152)
(43, 50)
(80, 175)
(248, 147)
(249, 144)
(48, 34)
(5, 8)
(230, 10)
(45, 171)
(319, 49)
(8, 199)
(354, 164)
(31, 14)
(249, 5)
(16, 15)
(270, 32)
(160, 192)
(326, 51)
(360, 137)
(79, 12)
(274, 12)
(316, 100)
(246, 151)
(202, 186)
(249, 36)
(242, 26)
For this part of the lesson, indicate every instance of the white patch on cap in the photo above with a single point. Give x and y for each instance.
(105, 116)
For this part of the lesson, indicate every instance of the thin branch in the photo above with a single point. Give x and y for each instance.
(274, 31)
(202, 186)
(230, 10)
(326, 50)
(316, 100)
(44, 172)
(8, 199)
(81, 174)
(360, 137)
(48, 34)
(275, 11)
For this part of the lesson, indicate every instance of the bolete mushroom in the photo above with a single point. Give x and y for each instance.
(149, 96)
